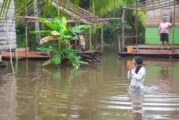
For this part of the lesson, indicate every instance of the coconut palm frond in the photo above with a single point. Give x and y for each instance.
(102, 7)
(47, 3)
(5, 5)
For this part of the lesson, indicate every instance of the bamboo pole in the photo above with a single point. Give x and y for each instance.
(123, 30)
(102, 39)
(77, 36)
(90, 32)
(136, 24)
(37, 27)
(26, 38)
(9, 43)
(0, 56)
(26, 33)
(173, 28)
(15, 54)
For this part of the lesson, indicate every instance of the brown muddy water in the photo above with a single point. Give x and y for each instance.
(93, 92)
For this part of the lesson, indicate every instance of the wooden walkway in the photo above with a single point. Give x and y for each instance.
(21, 54)
(154, 47)
(152, 50)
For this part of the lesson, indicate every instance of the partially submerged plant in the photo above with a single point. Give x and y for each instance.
(58, 39)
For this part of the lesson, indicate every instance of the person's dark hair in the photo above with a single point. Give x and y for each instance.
(164, 19)
(139, 62)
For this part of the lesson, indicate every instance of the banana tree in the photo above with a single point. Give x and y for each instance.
(57, 40)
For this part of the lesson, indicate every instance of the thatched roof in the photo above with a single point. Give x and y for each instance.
(75, 12)
(153, 4)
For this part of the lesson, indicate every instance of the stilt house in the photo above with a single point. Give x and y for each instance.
(154, 15)
(155, 11)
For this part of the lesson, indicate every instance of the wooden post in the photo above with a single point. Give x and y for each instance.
(102, 39)
(173, 38)
(136, 24)
(90, 32)
(119, 44)
(77, 36)
(15, 54)
(123, 30)
(58, 2)
(0, 56)
(26, 37)
(37, 27)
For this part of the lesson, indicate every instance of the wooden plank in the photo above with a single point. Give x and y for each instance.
(153, 52)
(154, 21)
(155, 16)
(6, 47)
(156, 51)
(151, 25)
(152, 46)
(21, 53)
(150, 54)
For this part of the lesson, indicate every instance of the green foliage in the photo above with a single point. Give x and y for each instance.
(20, 35)
(59, 49)
(75, 60)
(20, 42)
(5, 5)
(103, 7)
(111, 31)
(141, 27)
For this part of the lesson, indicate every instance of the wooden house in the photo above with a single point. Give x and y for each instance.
(154, 17)
(8, 28)
(155, 11)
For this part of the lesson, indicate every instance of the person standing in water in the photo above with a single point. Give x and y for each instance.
(136, 74)
(164, 34)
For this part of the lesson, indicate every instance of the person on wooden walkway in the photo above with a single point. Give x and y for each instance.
(164, 33)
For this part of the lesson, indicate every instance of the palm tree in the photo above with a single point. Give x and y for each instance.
(102, 7)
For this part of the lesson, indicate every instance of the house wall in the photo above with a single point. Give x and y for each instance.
(152, 36)
(8, 21)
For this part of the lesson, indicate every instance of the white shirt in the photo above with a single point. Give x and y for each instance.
(137, 79)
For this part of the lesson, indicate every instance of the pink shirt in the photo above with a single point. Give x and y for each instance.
(164, 27)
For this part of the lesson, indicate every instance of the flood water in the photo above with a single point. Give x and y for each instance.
(93, 92)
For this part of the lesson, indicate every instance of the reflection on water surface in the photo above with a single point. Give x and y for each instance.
(93, 92)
